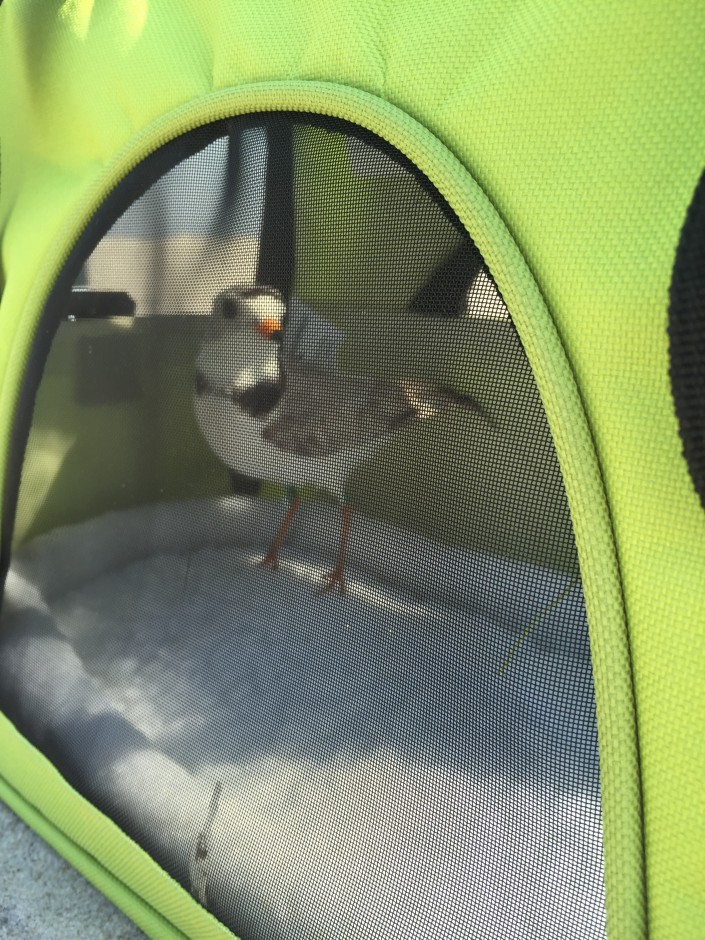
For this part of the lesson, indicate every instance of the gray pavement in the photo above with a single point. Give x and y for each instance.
(43, 898)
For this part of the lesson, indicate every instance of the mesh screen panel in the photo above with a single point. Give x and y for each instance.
(686, 329)
(294, 596)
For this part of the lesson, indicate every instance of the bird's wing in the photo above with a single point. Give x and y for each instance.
(310, 340)
(323, 413)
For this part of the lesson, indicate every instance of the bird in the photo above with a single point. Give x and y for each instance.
(272, 403)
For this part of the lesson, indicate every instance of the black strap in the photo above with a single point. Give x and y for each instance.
(277, 256)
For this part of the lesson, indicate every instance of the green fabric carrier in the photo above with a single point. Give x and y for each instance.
(352, 418)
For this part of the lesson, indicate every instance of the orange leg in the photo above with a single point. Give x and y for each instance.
(271, 559)
(337, 575)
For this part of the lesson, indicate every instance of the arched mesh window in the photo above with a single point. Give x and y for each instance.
(293, 594)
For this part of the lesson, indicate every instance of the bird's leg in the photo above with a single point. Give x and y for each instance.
(337, 575)
(271, 559)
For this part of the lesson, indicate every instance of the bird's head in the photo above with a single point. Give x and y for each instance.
(258, 311)
(239, 367)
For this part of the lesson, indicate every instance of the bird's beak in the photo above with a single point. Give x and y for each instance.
(268, 327)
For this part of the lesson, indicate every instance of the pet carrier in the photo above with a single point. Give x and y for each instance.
(352, 411)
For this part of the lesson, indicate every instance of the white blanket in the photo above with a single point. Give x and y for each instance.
(350, 766)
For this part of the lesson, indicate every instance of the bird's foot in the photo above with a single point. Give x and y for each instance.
(333, 578)
(270, 560)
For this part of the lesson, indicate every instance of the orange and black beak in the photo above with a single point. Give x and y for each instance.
(269, 328)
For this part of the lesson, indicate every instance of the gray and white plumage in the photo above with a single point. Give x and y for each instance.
(273, 405)
(278, 408)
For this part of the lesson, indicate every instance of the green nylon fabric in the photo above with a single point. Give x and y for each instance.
(585, 126)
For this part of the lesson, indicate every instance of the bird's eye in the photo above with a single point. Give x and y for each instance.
(277, 335)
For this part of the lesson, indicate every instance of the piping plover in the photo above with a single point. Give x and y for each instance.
(272, 404)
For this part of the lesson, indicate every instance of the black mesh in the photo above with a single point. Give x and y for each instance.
(687, 337)
(293, 593)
